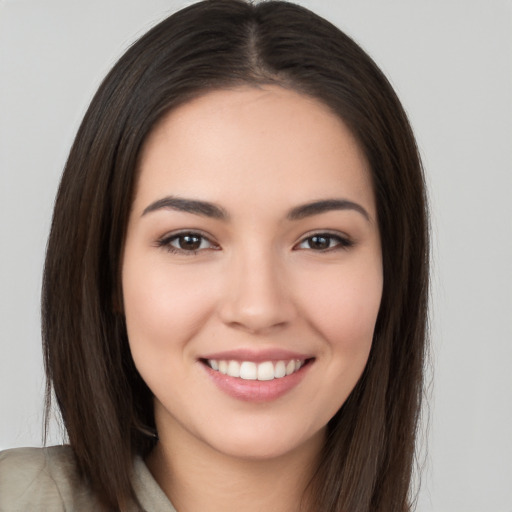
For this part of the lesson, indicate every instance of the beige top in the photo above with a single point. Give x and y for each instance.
(46, 480)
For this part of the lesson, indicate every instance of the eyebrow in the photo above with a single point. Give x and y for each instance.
(207, 209)
(194, 206)
(324, 206)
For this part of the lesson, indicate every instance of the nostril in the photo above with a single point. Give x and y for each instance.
(257, 320)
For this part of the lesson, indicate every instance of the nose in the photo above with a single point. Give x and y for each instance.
(257, 296)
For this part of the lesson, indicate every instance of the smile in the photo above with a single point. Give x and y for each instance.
(249, 370)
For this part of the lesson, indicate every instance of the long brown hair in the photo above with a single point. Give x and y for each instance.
(105, 406)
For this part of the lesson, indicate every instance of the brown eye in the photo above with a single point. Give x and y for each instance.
(189, 242)
(324, 242)
(319, 242)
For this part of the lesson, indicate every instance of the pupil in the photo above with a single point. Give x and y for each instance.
(189, 242)
(319, 242)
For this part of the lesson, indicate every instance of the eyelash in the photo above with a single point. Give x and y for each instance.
(341, 242)
(166, 242)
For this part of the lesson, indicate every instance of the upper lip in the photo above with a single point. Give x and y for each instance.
(257, 356)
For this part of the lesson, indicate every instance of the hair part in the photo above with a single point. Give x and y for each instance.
(106, 407)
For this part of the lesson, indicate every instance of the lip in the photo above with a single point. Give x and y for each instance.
(257, 356)
(255, 390)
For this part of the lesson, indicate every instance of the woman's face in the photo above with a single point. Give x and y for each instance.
(252, 272)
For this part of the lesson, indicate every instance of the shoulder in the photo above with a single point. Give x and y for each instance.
(42, 479)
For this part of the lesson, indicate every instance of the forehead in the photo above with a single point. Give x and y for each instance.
(266, 143)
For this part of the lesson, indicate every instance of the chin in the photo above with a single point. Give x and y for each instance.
(271, 445)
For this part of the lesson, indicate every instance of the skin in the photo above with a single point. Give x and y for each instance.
(256, 282)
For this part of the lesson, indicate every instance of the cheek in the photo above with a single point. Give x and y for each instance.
(163, 307)
(341, 308)
(344, 306)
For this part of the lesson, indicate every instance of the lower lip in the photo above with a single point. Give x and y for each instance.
(257, 390)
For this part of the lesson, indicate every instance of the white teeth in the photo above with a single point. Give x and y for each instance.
(280, 370)
(249, 370)
(223, 367)
(266, 371)
(234, 369)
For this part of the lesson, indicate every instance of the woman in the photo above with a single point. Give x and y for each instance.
(234, 298)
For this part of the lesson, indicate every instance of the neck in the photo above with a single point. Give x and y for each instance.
(195, 476)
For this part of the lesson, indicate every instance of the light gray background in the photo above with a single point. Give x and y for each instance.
(451, 64)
